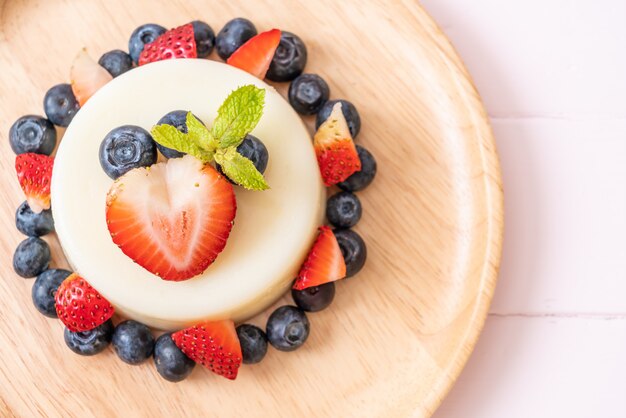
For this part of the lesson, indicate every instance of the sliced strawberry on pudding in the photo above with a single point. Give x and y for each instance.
(215, 345)
(175, 43)
(79, 306)
(256, 55)
(173, 218)
(324, 262)
(87, 77)
(335, 150)
(34, 172)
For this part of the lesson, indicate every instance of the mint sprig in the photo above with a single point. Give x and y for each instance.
(236, 117)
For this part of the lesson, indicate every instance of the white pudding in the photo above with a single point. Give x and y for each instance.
(273, 229)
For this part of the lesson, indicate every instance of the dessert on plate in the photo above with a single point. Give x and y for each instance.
(188, 196)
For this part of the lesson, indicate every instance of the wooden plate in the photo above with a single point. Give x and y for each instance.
(397, 335)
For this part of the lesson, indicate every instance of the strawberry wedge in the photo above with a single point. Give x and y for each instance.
(87, 77)
(34, 172)
(256, 55)
(324, 263)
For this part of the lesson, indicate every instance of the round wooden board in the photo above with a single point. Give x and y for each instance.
(399, 333)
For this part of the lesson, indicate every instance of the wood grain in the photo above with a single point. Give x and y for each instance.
(399, 333)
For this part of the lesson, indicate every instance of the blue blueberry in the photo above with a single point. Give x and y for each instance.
(141, 36)
(45, 288)
(361, 179)
(204, 37)
(60, 105)
(31, 257)
(31, 223)
(353, 250)
(125, 148)
(89, 343)
(287, 328)
(315, 298)
(235, 33)
(178, 119)
(116, 62)
(349, 112)
(308, 93)
(289, 59)
(133, 342)
(171, 363)
(32, 133)
(343, 209)
(253, 343)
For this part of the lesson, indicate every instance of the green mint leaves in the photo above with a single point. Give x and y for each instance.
(236, 117)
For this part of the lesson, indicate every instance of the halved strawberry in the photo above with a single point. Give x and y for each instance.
(175, 43)
(87, 76)
(34, 172)
(172, 218)
(335, 150)
(256, 55)
(79, 306)
(214, 345)
(324, 263)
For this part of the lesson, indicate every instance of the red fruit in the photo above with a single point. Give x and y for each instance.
(173, 218)
(87, 76)
(256, 55)
(324, 263)
(34, 172)
(335, 150)
(175, 43)
(214, 345)
(79, 306)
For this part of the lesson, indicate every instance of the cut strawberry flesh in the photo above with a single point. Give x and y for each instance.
(324, 262)
(256, 55)
(87, 77)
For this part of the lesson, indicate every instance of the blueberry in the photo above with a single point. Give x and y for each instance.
(44, 289)
(353, 250)
(343, 209)
(253, 149)
(361, 179)
(31, 223)
(289, 59)
(315, 298)
(253, 343)
(178, 119)
(125, 148)
(171, 363)
(308, 93)
(349, 112)
(89, 343)
(133, 342)
(32, 133)
(287, 328)
(116, 62)
(235, 33)
(205, 38)
(31, 257)
(60, 105)
(141, 36)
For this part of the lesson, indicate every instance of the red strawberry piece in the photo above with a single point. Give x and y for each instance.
(172, 218)
(87, 76)
(324, 263)
(175, 43)
(79, 306)
(214, 345)
(256, 55)
(335, 150)
(34, 172)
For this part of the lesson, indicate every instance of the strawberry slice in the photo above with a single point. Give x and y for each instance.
(256, 55)
(87, 76)
(324, 263)
(34, 172)
(175, 43)
(172, 218)
(214, 345)
(335, 150)
(79, 306)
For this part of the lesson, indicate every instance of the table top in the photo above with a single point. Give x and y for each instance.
(553, 79)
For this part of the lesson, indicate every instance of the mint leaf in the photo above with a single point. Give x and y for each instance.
(200, 134)
(170, 137)
(240, 169)
(238, 115)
